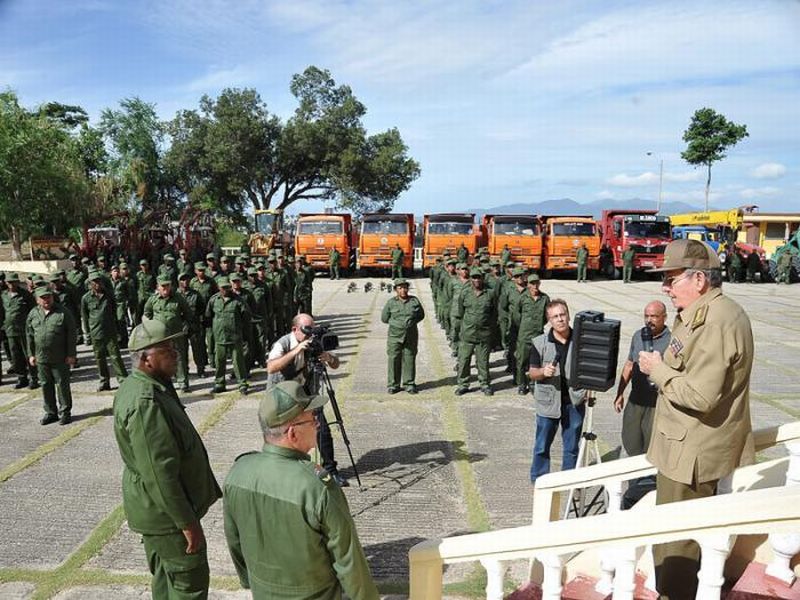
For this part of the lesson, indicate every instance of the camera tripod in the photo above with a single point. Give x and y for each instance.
(576, 500)
(320, 373)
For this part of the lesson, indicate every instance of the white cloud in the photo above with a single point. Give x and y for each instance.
(649, 178)
(769, 171)
(762, 192)
(218, 78)
(605, 195)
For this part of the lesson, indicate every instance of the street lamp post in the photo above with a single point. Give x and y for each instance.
(660, 181)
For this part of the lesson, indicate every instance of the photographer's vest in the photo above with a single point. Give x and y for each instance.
(547, 392)
(290, 371)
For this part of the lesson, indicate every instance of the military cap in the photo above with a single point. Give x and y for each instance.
(115, 267)
(260, 266)
(12, 278)
(235, 277)
(198, 266)
(401, 281)
(252, 271)
(688, 254)
(43, 291)
(533, 278)
(182, 251)
(439, 259)
(101, 258)
(123, 265)
(462, 265)
(210, 256)
(164, 280)
(509, 263)
(494, 262)
(143, 261)
(271, 258)
(149, 333)
(476, 272)
(223, 281)
(184, 275)
(169, 257)
(74, 257)
(225, 259)
(452, 261)
(85, 260)
(518, 272)
(94, 276)
(240, 260)
(286, 401)
(54, 278)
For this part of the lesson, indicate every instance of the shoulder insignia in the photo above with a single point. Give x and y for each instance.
(245, 454)
(699, 316)
(322, 474)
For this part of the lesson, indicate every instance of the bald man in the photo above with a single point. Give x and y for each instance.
(637, 419)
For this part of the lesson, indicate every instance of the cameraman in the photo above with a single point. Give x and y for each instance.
(287, 362)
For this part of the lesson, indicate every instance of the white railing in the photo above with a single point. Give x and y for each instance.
(710, 521)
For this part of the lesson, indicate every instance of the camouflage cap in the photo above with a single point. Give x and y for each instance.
(43, 291)
(688, 254)
(285, 402)
(149, 333)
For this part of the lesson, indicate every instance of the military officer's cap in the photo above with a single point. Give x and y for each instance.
(43, 291)
(184, 275)
(149, 333)
(533, 278)
(518, 272)
(476, 272)
(286, 401)
(198, 266)
(401, 281)
(12, 278)
(234, 277)
(74, 257)
(688, 254)
(462, 265)
(210, 256)
(223, 281)
(164, 280)
(85, 260)
(169, 257)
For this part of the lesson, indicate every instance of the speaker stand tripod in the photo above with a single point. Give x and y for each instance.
(576, 501)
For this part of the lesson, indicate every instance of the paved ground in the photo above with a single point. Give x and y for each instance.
(432, 464)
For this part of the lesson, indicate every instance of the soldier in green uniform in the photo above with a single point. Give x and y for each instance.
(515, 290)
(171, 309)
(121, 290)
(505, 255)
(289, 275)
(51, 334)
(145, 286)
(98, 313)
(17, 303)
(445, 294)
(397, 261)
(457, 285)
(736, 266)
(297, 508)
(168, 269)
(475, 308)
(303, 289)
(130, 281)
(212, 269)
(260, 294)
(264, 284)
(280, 296)
(204, 285)
(66, 295)
(402, 313)
(76, 276)
(228, 316)
(333, 260)
(532, 319)
(167, 482)
(462, 254)
(627, 264)
(582, 257)
(247, 298)
(184, 265)
(784, 268)
(197, 305)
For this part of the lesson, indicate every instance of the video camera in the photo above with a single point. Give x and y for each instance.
(321, 340)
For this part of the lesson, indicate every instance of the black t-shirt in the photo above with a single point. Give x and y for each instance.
(535, 361)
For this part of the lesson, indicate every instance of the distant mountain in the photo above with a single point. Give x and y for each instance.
(566, 206)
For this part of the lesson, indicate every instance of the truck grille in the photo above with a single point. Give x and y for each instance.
(648, 249)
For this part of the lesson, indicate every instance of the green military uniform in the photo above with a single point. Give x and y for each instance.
(262, 333)
(227, 316)
(51, 340)
(333, 260)
(16, 307)
(98, 314)
(403, 340)
(167, 482)
(582, 257)
(532, 319)
(433, 275)
(197, 340)
(184, 265)
(175, 313)
(462, 254)
(736, 274)
(445, 298)
(627, 264)
(169, 270)
(145, 286)
(513, 298)
(248, 333)
(303, 289)
(121, 290)
(66, 296)
(784, 268)
(76, 277)
(505, 255)
(476, 312)
(281, 296)
(206, 287)
(397, 261)
(457, 285)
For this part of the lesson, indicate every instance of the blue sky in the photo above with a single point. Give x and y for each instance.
(500, 101)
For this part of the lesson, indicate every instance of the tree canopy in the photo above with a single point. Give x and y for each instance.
(708, 136)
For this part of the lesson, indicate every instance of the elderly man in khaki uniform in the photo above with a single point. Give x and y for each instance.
(702, 429)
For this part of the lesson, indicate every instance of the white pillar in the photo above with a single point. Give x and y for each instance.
(608, 558)
(714, 551)
(494, 578)
(786, 546)
(551, 585)
(625, 575)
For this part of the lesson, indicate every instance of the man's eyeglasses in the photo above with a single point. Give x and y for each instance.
(672, 280)
(312, 420)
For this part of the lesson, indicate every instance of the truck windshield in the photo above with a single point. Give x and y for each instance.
(385, 227)
(574, 229)
(652, 229)
(265, 223)
(319, 228)
(516, 228)
(450, 228)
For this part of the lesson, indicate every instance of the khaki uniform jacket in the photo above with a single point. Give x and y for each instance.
(289, 530)
(167, 482)
(702, 428)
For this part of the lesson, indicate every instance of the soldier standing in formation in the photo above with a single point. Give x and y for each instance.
(51, 334)
(397, 262)
(98, 313)
(121, 299)
(627, 264)
(784, 268)
(532, 318)
(76, 277)
(462, 254)
(736, 266)
(205, 287)
(227, 314)
(303, 286)
(145, 286)
(582, 257)
(333, 260)
(17, 303)
(402, 313)
(457, 285)
(197, 332)
(475, 309)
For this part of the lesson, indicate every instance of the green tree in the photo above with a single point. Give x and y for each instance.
(708, 136)
(42, 185)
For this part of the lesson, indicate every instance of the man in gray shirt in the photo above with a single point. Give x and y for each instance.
(637, 419)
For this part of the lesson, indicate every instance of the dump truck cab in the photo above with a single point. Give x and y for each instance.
(380, 233)
(446, 232)
(562, 238)
(521, 233)
(645, 231)
(317, 234)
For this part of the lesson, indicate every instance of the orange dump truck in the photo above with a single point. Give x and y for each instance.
(379, 235)
(447, 231)
(522, 234)
(562, 238)
(317, 234)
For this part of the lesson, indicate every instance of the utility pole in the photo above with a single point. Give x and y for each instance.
(660, 181)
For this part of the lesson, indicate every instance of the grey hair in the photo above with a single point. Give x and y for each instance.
(273, 433)
(713, 276)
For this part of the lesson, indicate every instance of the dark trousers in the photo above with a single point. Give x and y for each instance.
(103, 350)
(19, 361)
(55, 382)
(176, 575)
(677, 563)
(325, 442)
